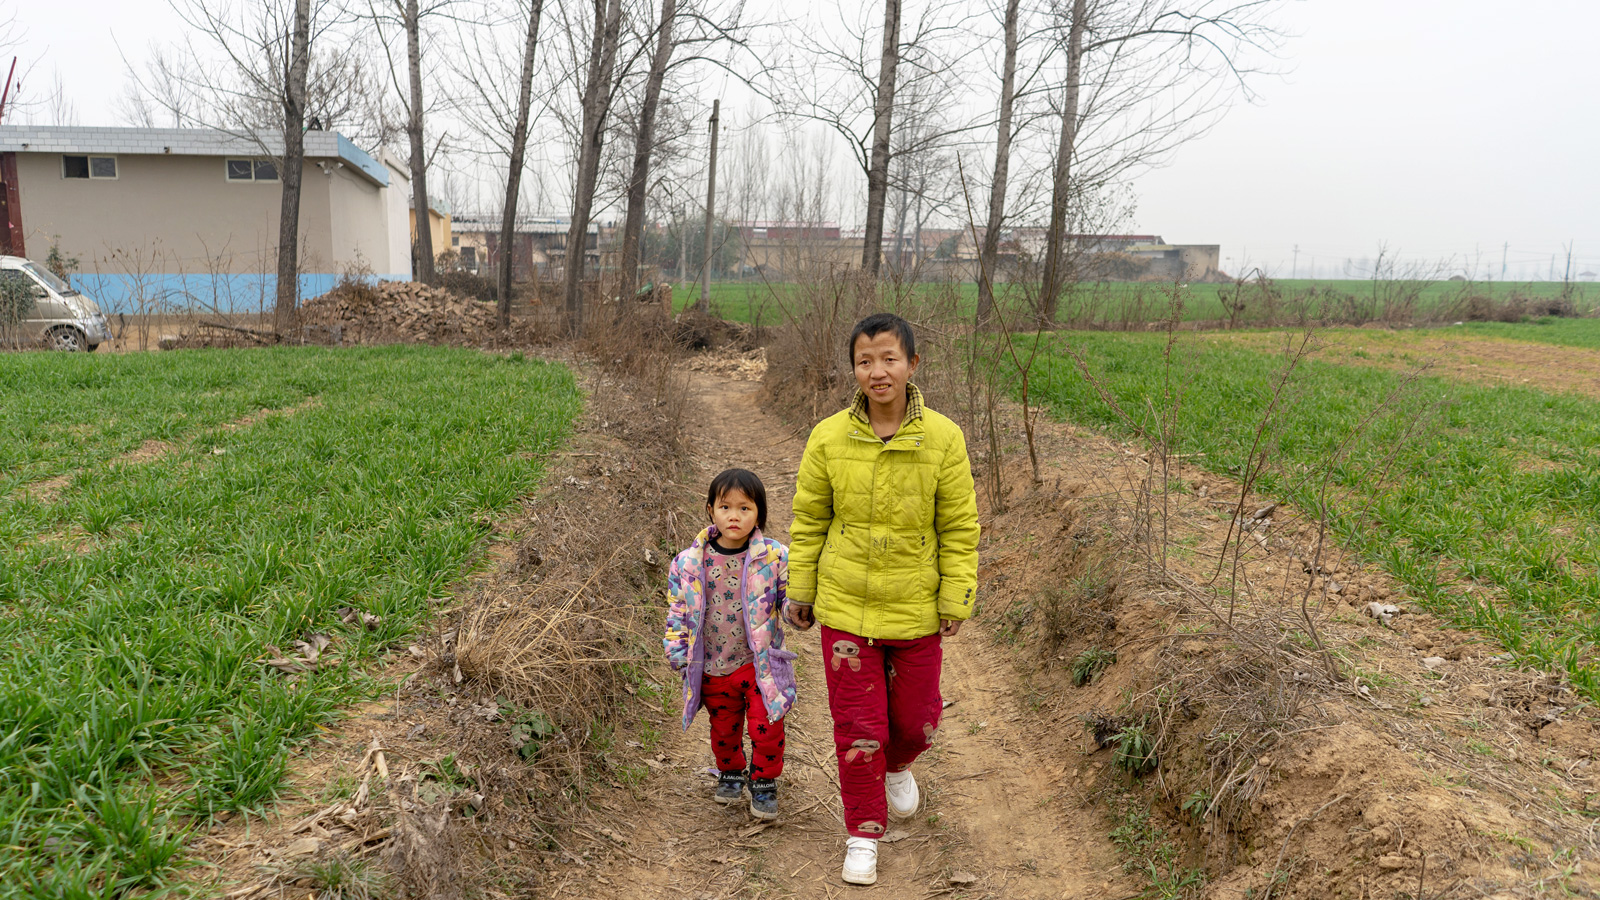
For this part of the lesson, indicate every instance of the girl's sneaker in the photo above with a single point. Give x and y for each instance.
(860, 860)
(730, 787)
(904, 798)
(764, 798)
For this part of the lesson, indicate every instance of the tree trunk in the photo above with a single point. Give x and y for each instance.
(989, 256)
(902, 207)
(643, 146)
(1056, 238)
(294, 155)
(596, 103)
(878, 168)
(519, 149)
(419, 159)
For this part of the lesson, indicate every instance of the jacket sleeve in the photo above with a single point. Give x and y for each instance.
(813, 514)
(781, 584)
(955, 518)
(678, 635)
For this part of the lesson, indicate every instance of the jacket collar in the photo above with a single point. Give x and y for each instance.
(858, 406)
(757, 545)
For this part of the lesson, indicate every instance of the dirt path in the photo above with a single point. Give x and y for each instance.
(997, 820)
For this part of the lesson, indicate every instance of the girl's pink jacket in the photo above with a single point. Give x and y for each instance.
(764, 584)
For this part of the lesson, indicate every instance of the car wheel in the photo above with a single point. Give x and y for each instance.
(67, 339)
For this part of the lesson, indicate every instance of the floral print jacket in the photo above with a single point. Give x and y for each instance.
(764, 585)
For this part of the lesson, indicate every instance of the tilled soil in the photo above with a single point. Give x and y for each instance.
(1453, 354)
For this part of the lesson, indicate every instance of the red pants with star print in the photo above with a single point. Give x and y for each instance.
(734, 700)
(884, 696)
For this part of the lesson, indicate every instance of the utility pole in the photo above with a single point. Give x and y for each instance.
(1504, 249)
(711, 207)
(1294, 268)
(683, 243)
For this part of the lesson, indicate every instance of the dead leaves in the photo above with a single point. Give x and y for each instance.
(310, 657)
(307, 655)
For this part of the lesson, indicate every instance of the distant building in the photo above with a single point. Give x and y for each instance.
(160, 217)
(539, 245)
(785, 250)
(1178, 262)
(438, 209)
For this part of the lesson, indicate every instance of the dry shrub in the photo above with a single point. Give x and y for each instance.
(425, 847)
(458, 281)
(808, 365)
(639, 345)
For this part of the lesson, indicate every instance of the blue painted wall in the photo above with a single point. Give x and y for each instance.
(198, 293)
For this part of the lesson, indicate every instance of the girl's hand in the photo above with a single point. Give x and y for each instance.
(949, 627)
(799, 615)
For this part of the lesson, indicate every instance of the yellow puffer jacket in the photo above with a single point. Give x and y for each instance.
(885, 534)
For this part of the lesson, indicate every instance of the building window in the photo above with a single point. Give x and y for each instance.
(88, 166)
(252, 170)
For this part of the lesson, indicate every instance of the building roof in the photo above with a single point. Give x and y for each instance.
(523, 224)
(184, 142)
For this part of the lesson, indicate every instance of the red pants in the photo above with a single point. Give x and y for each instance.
(884, 697)
(734, 700)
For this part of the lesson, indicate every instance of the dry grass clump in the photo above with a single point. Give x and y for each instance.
(808, 364)
(1477, 307)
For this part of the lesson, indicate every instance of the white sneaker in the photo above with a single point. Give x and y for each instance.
(860, 860)
(904, 798)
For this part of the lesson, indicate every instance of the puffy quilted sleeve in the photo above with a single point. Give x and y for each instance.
(955, 518)
(679, 634)
(813, 514)
(780, 583)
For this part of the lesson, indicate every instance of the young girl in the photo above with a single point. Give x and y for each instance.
(724, 636)
(886, 548)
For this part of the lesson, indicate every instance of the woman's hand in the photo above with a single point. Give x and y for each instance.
(949, 627)
(799, 615)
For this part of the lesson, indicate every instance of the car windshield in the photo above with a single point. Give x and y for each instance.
(49, 278)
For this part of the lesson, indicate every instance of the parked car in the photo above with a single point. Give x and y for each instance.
(62, 318)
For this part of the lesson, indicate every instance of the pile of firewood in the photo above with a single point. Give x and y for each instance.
(396, 312)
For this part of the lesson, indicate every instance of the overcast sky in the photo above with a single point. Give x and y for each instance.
(1446, 128)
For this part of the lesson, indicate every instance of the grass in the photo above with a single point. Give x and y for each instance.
(1583, 333)
(1481, 500)
(134, 701)
(1148, 851)
(763, 303)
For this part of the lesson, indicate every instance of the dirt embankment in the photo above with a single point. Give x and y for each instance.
(1323, 755)
(1306, 748)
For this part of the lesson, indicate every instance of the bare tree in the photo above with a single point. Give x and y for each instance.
(643, 146)
(519, 148)
(831, 84)
(294, 154)
(598, 93)
(922, 172)
(989, 255)
(1056, 237)
(882, 113)
(264, 93)
(1141, 78)
(408, 16)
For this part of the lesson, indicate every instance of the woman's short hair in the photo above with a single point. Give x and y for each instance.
(877, 324)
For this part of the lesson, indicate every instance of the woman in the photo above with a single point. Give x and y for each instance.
(884, 554)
